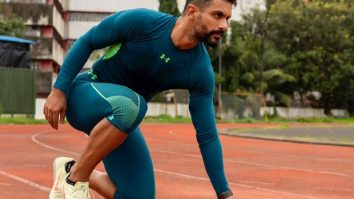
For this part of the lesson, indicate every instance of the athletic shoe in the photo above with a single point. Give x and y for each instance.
(61, 168)
(75, 190)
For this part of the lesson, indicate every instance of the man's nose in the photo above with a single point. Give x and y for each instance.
(223, 25)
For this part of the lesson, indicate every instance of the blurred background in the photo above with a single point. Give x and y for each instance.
(279, 59)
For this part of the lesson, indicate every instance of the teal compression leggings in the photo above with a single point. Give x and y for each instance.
(130, 165)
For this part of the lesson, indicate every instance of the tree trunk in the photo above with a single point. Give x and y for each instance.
(327, 105)
(350, 108)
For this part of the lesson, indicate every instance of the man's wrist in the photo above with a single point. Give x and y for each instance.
(57, 90)
(225, 194)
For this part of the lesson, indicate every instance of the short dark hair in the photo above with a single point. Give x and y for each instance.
(203, 3)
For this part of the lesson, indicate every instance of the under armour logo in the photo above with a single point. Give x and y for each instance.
(163, 57)
(92, 75)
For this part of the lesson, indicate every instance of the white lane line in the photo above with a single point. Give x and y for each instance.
(5, 184)
(173, 132)
(172, 142)
(34, 139)
(260, 164)
(334, 188)
(182, 175)
(256, 182)
(176, 174)
(231, 183)
(248, 163)
(35, 165)
(27, 182)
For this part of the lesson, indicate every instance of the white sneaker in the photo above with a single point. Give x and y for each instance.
(59, 174)
(77, 190)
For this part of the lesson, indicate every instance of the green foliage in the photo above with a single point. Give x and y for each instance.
(302, 47)
(318, 40)
(12, 26)
(169, 6)
(242, 60)
(34, 13)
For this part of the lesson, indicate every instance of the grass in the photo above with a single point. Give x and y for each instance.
(179, 119)
(346, 141)
(306, 139)
(313, 133)
(349, 120)
(244, 132)
(167, 119)
(159, 119)
(20, 120)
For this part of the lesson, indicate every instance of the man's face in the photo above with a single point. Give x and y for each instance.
(212, 22)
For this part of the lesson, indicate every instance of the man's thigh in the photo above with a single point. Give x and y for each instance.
(90, 102)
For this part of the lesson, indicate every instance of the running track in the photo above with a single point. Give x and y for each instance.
(256, 169)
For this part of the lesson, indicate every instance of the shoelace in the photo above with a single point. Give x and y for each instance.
(83, 189)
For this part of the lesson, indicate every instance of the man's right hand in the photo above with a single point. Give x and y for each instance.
(54, 107)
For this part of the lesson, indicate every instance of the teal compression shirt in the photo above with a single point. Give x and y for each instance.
(143, 58)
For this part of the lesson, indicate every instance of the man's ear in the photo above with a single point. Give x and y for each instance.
(192, 11)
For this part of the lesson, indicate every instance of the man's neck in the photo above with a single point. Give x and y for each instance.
(182, 35)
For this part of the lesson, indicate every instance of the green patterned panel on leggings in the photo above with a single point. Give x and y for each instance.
(124, 109)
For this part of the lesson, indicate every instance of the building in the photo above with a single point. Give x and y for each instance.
(55, 24)
(243, 6)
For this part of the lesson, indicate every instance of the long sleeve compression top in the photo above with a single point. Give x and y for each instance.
(143, 57)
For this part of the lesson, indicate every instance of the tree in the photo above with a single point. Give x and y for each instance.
(302, 46)
(315, 37)
(242, 59)
(169, 6)
(11, 24)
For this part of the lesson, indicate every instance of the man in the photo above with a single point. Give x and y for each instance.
(149, 52)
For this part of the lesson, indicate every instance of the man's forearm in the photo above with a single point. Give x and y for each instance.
(213, 161)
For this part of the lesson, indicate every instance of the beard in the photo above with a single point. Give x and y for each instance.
(203, 35)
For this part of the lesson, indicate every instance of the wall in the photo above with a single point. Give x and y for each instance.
(303, 112)
(58, 22)
(78, 28)
(155, 109)
(110, 5)
(58, 52)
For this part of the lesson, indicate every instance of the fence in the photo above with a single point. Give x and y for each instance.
(17, 91)
(236, 106)
(233, 106)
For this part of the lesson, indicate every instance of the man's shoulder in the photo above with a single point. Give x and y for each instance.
(144, 18)
(202, 73)
(143, 14)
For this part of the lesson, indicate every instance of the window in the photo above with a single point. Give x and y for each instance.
(76, 16)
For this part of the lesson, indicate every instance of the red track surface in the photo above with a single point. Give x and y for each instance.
(256, 169)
